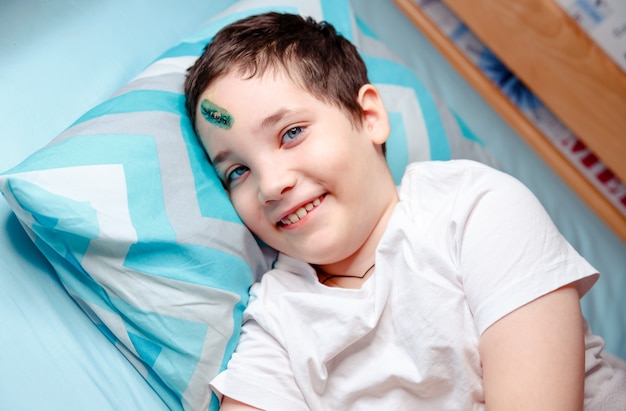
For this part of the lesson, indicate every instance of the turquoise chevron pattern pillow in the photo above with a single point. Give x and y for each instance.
(126, 208)
(422, 127)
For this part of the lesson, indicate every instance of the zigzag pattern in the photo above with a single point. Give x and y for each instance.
(118, 213)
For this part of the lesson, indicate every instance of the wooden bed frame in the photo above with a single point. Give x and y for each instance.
(563, 66)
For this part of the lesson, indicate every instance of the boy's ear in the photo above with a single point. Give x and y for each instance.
(375, 118)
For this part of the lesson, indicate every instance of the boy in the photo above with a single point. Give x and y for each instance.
(455, 292)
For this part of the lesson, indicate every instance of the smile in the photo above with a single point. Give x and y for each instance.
(300, 213)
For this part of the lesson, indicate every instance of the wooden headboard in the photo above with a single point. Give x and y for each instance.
(563, 67)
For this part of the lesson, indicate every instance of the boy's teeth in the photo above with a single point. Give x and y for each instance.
(301, 212)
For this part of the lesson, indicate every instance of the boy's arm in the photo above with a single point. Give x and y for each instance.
(533, 358)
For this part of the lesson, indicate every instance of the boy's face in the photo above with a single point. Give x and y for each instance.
(300, 175)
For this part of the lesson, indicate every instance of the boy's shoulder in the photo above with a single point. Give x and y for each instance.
(454, 180)
(453, 169)
(449, 164)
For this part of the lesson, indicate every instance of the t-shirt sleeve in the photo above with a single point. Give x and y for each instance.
(259, 372)
(510, 251)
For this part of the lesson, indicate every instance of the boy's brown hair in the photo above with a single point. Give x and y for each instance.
(312, 54)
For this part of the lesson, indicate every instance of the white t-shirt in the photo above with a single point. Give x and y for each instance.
(464, 246)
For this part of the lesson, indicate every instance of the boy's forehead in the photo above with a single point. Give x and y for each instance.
(252, 99)
(213, 106)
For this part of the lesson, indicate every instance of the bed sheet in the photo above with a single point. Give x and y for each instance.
(604, 306)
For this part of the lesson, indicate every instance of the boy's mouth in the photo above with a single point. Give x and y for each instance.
(300, 213)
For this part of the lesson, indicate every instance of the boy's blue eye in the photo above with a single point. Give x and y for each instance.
(291, 134)
(235, 174)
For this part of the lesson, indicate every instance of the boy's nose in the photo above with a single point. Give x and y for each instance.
(274, 182)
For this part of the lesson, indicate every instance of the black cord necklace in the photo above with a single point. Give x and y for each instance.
(331, 276)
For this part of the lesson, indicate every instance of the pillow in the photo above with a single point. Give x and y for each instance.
(422, 126)
(139, 230)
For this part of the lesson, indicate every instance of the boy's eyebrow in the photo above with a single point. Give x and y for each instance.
(274, 118)
(220, 158)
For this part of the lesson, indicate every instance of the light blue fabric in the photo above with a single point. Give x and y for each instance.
(422, 127)
(61, 58)
(387, 71)
(52, 355)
